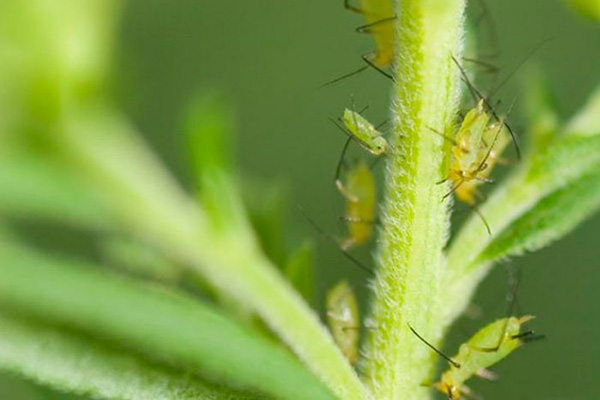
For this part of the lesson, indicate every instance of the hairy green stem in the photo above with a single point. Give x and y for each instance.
(415, 219)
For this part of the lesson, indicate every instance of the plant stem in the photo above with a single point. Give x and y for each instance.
(415, 219)
(155, 207)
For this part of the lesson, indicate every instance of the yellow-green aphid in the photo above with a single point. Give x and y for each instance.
(478, 146)
(343, 319)
(365, 134)
(359, 191)
(379, 16)
(487, 347)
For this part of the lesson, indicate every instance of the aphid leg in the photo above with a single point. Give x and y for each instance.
(447, 138)
(454, 188)
(487, 374)
(368, 59)
(338, 182)
(480, 214)
(485, 66)
(468, 393)
(352, 8)
(432, 347)
(330, 238)
(368, 28)
(358, 220)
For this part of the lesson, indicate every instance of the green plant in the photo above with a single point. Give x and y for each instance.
(70, 156)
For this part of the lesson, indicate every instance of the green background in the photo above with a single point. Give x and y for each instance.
(269, 58)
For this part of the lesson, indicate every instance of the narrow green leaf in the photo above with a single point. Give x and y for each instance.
(553, 217)
(266, 204)
(208, 129)
(300, 271)
(32, 186)
(74, 363)
(164, 326)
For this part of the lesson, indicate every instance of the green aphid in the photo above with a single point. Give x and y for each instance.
(365, 134)
(343, 319)
(487, 347)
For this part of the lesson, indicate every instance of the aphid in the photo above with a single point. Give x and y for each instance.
(362, 132)
(487, 347)
(379, 16)
(476, 150)
(359, 192)
(343, 319)
(337, 242)
(490, 345)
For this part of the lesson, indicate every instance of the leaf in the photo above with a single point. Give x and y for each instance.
(71, 362)
(32, 186)
(208, 130)
(266, 205)
(540, 108)
(164, 326)
(553, 217)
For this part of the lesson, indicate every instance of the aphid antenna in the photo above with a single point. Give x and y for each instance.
(432, 347)
(453, 189)
(514, 281)
(483, 164)
(330, 238)
(486, 102)
(493, 30)
(368, 28)
(341, 78)
(516, 69)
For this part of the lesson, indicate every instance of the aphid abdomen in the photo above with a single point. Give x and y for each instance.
(360, 208)
(379, 16)
(343, 319)
(364, 132)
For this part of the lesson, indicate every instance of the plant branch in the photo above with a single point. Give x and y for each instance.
(415, 219)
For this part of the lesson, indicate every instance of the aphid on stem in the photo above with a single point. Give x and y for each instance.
(343, 319)
(336, 241)
(487, 347)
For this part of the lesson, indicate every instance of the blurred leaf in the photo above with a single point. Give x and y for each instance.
(300, 271)
(587, 121)
(32, 186)
(589, 8)
(266, 206)
(139, 258)
(74, 363)
(553, 217)
(208, 129)
(539, 110)
(163, 325)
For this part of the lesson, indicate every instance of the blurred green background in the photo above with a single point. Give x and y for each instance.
(269, 59)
